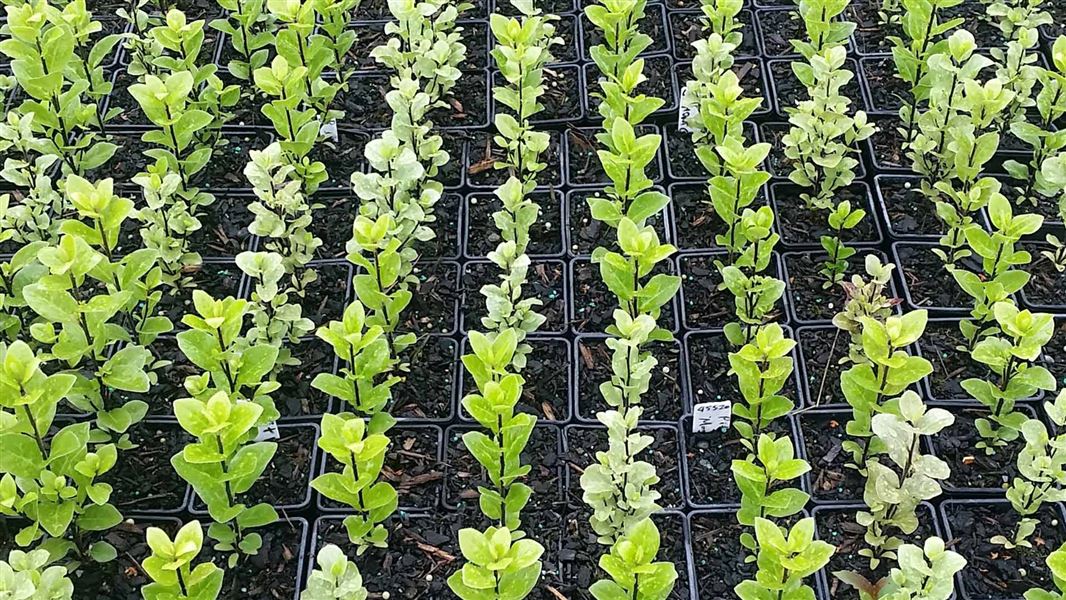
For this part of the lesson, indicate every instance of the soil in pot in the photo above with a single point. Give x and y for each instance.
(580, 553)
(586, 234)
(951, 366)
(296, 397)
(910, 212)
(546, 281)
(451, 173)
(871, 36)
(484, 154)
(831, 480)
(219, 279)
(686, 28)
(271, 574)
(583, 164)
(412, 465)
(428, 386)
(594, 303)
(887, 144)
(422, 554)
(709, 457)
(718, 555)
(706, 306)
(790, 91)
(465, 475)
(811, 301)
(142, 479)
(326, 298)
(887, 91)
(778, 28)
(659, 84)
(653, 24)
(695, 222)
(435, 299)
(545, 236)
(224, 227)
(341, 158)
(993, 571)
(1046, 283)
(985, 31)
(837, 526)
(122, 578)
(1054, 356)
(803, 226)
(333, 224)
(708, 370)
(582, 443)
(662, 402)
(681, 153)
(468, 103)
(567, 29)
(286, 480)
(363, 102)
(561, 98)
(928, 281)
(971, 467)
(548, 374)
(821, 349)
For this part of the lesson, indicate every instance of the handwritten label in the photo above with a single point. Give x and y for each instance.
(268, 432)
(686, 110)
(330, 130)
(711, 416)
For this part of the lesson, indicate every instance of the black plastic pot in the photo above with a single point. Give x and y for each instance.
(1044, 273)
(581, 442)
(903, 254)
(928, 525)
(592, 304)
(681, 161)
(885, 146)
(906, 212)
(712, 453)
(483, 154)
(753, 77)
(427, 393)
(662, 82)
(653, 24)
(796, 264)
(696, 225)
(481, 237)
(435, 302)
(686, 27)
(787, 91)
(829, 482)
(885, 92)
(547, 280)
(970, 458)
(544, 380)
(777, 164)
(564, 89)
(790, 213)
(704, 306)
(592, 366)
(1051, 528)
(424, 457)
(582, 166)
(197, 507)
(584, 233)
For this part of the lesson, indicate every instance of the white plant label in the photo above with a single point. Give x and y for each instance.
(330, 130)
(711, 416)
(686, 110)
(268, 432)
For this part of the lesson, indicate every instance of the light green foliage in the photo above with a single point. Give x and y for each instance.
(1009, 357)
(633, 572)
(497, 566)
(866, 299)
(360, 447)
(27, 576)
(762, 366)
(363, 381)
(230, 402)
(274, 320)
(15, 274)
(50, 479)
(171, 569)
(1056, 562)
(786, 557)
(1002, 264)
(886, 371)
(493, 406)
(306, 55)
(896, 486)
(250, 34)
(822, 139)
(1050, 103)
(1053, 171)
(283, 213)
(384, 282)
(624, 274)
(926, 573)
(336, 577)
(298, 127)
(759, 478)
(169, 216)
(424, 47)
(736, 188)
(625, 157)
(28, 159)
(42, 45)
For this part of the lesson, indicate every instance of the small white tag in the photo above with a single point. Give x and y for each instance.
(268, 432)
(685, 110)
(330, 130)
(711, 416)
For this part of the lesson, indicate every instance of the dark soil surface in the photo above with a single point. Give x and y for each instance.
(887, 91)
(653, 24)
(435, 301)
(993, 571)
(803, 226)
(821, 350)
(951, 366)
(428, 387)
(594, 304)
(561, 97)
(837, 526)
(709, 458)
(545, 236)
(1045, 287)
(973, 469)
(143, 479)
(585, 234)
(663, 400)
(273, 572)
(583, 164)
(927, 281)
(545, 280)
(709, 377)
(695, 222)
(581, 446)
(910, 213)
(704, 305)
(548, 375)
(465, 475)
(484, 153)
(830, 480)
(778, 27)
(686, 28)
(789, 90)
(810, 301)
(659, 84)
